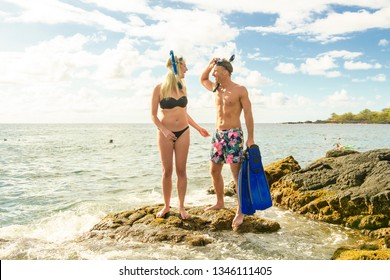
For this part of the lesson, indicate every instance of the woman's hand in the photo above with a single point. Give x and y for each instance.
(204, 132)
(169, 134)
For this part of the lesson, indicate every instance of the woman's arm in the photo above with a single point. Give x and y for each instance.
(154, 111)
(201, 130)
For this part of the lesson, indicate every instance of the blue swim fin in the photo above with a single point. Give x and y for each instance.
(244, 193)
(258, 184)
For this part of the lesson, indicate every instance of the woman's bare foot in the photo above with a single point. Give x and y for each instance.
(184, 215)
(163, 212)
(215, 207)
(238, 220)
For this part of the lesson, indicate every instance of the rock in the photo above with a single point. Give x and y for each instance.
(276, 170)
(361, 254)
(340, 153)
(229, 189)
(143, 225)
(347, 188)
(352, 190)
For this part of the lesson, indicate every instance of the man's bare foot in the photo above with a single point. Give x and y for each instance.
(238, 220)
(215, 207)
(184, 215)
(163, 212)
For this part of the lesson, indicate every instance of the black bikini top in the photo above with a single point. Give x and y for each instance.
(170, 102)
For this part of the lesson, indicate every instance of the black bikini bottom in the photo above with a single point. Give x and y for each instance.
(179, 133)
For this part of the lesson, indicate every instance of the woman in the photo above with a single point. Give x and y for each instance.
(173, 132)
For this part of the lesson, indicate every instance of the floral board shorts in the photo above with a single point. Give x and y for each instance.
(227, 146)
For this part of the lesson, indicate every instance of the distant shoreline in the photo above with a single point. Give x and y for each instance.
(331, 122)
(364, 117)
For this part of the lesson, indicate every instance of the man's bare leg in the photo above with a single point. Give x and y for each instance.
(239, 218)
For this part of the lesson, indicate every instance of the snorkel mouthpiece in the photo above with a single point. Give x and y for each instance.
(175, 69)
(216, 87)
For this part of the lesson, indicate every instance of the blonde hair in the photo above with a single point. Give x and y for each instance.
(170, 83)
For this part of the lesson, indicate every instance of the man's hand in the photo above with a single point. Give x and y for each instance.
(250, 142)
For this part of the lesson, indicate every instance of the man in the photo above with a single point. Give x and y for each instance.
(227, 145)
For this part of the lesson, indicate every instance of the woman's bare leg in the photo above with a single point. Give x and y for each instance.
(181, 154)
(166, 156)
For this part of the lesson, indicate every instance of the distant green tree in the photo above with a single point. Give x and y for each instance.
(365, 116)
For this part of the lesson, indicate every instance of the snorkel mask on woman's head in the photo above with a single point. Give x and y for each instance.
(175, 69)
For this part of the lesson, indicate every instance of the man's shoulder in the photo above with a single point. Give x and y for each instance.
(240, 88)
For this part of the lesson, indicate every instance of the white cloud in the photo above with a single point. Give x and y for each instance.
(383, 43)
(286, 68)
(119, 62)
(351, 65)
(58, 80)
(325, 64)
(278, 100)
(112, 72)
(328, 27)
(339, 98)
(319, 65)
(55, 12)
(198, 32)
(379, 78)
(344, 54)
(58, 59)
(136, 21)
(258, 56)
(316, 20)
(253, 79)
(376, 78)
(139, 6)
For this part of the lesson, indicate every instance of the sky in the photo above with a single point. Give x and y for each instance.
(97, 61)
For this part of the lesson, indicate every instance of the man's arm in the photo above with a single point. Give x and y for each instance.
(247, 107)
(204, 78)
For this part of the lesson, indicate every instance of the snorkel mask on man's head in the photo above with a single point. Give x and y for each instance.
(225, 64)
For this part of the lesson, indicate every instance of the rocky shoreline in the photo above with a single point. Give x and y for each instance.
(198, 230)
(345, 187)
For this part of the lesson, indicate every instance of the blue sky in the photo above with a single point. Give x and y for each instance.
(97, 61)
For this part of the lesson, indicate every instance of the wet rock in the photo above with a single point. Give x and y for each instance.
(347, 188)
(276, 170)
(229, 189)
(198, 230)
(347, 253)
(352, 190)
(340, 153)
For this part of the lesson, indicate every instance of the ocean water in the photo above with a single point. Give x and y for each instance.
(57, 181)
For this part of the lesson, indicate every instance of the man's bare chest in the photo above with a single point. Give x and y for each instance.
(226, 99)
